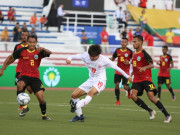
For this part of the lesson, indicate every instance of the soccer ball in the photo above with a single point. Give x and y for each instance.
(23, 98)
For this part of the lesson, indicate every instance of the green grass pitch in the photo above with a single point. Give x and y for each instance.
(102, 117)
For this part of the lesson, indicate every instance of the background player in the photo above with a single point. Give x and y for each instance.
(142, 64)
(96, 64)
(23, 43)
(31, 59)
(124, 55)
(166, 63)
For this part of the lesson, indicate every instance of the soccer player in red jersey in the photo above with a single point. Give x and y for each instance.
(124, 55)
(142, 80)
(166, 63)
(29, 75)
(24, 36)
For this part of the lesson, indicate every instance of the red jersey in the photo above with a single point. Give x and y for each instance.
(105, 35)
(10, 13)
(31, 61)
(150, 40)
(130, 36)
(143, 3)
(18, 46)
(122, 55)
(145, 35)
(141, 59)
(165, 62)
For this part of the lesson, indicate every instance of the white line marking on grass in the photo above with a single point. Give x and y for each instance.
(94, 106)
(126, 109)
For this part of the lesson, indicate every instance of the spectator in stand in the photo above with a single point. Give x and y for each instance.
(119, 2)
(104, 40)
(169, 5)
(84, 39)
(60, 15)
(127, 2)
(150, 44)
(150, 39)
(169, 37)
(135, 3)
(119, 15)
(143, 19)
(124, 33)
(19, 34)
(33, 21)
(130, 36)
(125, 19)
(144, 34)
(11, 14)
(5, 35)
(138, 31)
(154, 7)
(15, 32)
(24, 27)
(1, 16)
(33, 31)
(42, 21)
(142, 3)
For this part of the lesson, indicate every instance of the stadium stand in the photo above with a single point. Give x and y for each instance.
(67, 43)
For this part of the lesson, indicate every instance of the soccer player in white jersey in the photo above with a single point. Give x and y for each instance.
(96, 64)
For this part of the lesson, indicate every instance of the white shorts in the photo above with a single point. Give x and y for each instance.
(98, 84)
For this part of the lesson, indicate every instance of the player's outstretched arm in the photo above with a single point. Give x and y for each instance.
(112, 59)
(114, 66)
(77, 56)
(8, 61)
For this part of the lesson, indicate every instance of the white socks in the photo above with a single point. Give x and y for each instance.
(79, 110)
(83, 102)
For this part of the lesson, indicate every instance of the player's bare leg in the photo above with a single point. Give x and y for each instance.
(126, 87)
(171, 91)
(153, 99)
(29, 89)
(42, 104)
(83, 102)
(20, 87)
(87, 99)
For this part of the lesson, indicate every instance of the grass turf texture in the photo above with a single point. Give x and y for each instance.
(102, 117)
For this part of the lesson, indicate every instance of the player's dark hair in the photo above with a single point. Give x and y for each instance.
(139, 37)
(25, 31)
(125, 38)
(94, 50)
(32, 36)
(166, 47)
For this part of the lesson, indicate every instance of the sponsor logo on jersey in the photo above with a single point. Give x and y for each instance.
(126, 55)
(35, 57)
(25, 58)
(51, 77)
(138, 58)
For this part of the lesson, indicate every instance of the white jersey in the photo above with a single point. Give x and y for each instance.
(97, 69)
(169, 4)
